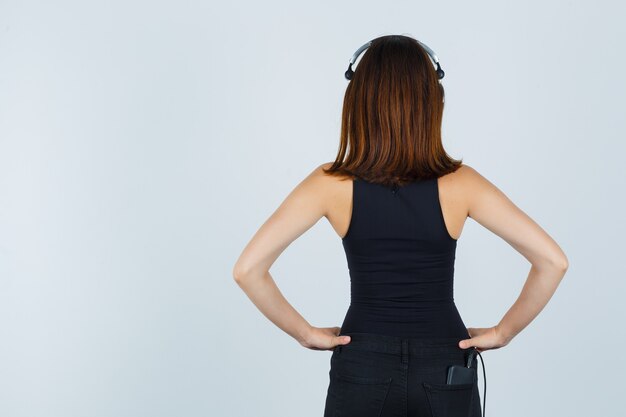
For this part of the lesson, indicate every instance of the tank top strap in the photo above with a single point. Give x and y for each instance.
(355, 197)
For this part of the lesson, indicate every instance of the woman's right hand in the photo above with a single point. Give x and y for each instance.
(484, 338)
(325, 338)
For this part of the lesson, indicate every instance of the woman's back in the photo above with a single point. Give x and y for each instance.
(401, 262)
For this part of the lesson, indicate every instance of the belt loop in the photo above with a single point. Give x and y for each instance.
(405, 351)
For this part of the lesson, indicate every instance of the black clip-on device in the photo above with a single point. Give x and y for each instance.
(458, 374)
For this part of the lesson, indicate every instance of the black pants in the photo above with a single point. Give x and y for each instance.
(384, 376)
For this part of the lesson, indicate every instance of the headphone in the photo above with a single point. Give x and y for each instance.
(349, 73)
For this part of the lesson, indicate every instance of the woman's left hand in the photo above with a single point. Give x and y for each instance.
(484, 338)
(325, 338)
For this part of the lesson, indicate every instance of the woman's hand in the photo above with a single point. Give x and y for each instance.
(484, 339)
(324, 338)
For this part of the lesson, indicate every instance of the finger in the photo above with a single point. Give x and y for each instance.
(467, 343)
(342, 340)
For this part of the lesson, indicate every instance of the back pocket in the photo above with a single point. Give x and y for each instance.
(449, 400)
(358, 395)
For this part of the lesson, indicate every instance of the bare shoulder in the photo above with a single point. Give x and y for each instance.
(481, 192)
(326, 188)
(468, 173)
(322, 179)
(469, 186)
(329, 180)
(465, 176)
(317, 177)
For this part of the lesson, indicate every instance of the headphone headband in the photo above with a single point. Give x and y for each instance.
(349, 73)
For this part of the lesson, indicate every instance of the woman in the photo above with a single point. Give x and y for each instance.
(399, 204)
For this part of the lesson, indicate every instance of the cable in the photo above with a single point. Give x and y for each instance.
(485, 383)
(470, 358)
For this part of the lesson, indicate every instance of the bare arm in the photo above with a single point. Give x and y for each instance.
(496, 212)
(302, 208)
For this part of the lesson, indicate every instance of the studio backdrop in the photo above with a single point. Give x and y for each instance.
(143, 143)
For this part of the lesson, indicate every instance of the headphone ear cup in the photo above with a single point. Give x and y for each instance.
(349, 73)
(440, 72)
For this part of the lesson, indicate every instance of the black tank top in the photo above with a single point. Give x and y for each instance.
(401, 261)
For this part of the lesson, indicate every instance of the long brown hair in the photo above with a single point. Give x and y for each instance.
(392, 113)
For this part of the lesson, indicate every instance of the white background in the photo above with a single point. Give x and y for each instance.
(142, 143)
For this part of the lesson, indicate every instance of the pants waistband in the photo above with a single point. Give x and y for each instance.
(400, 345)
